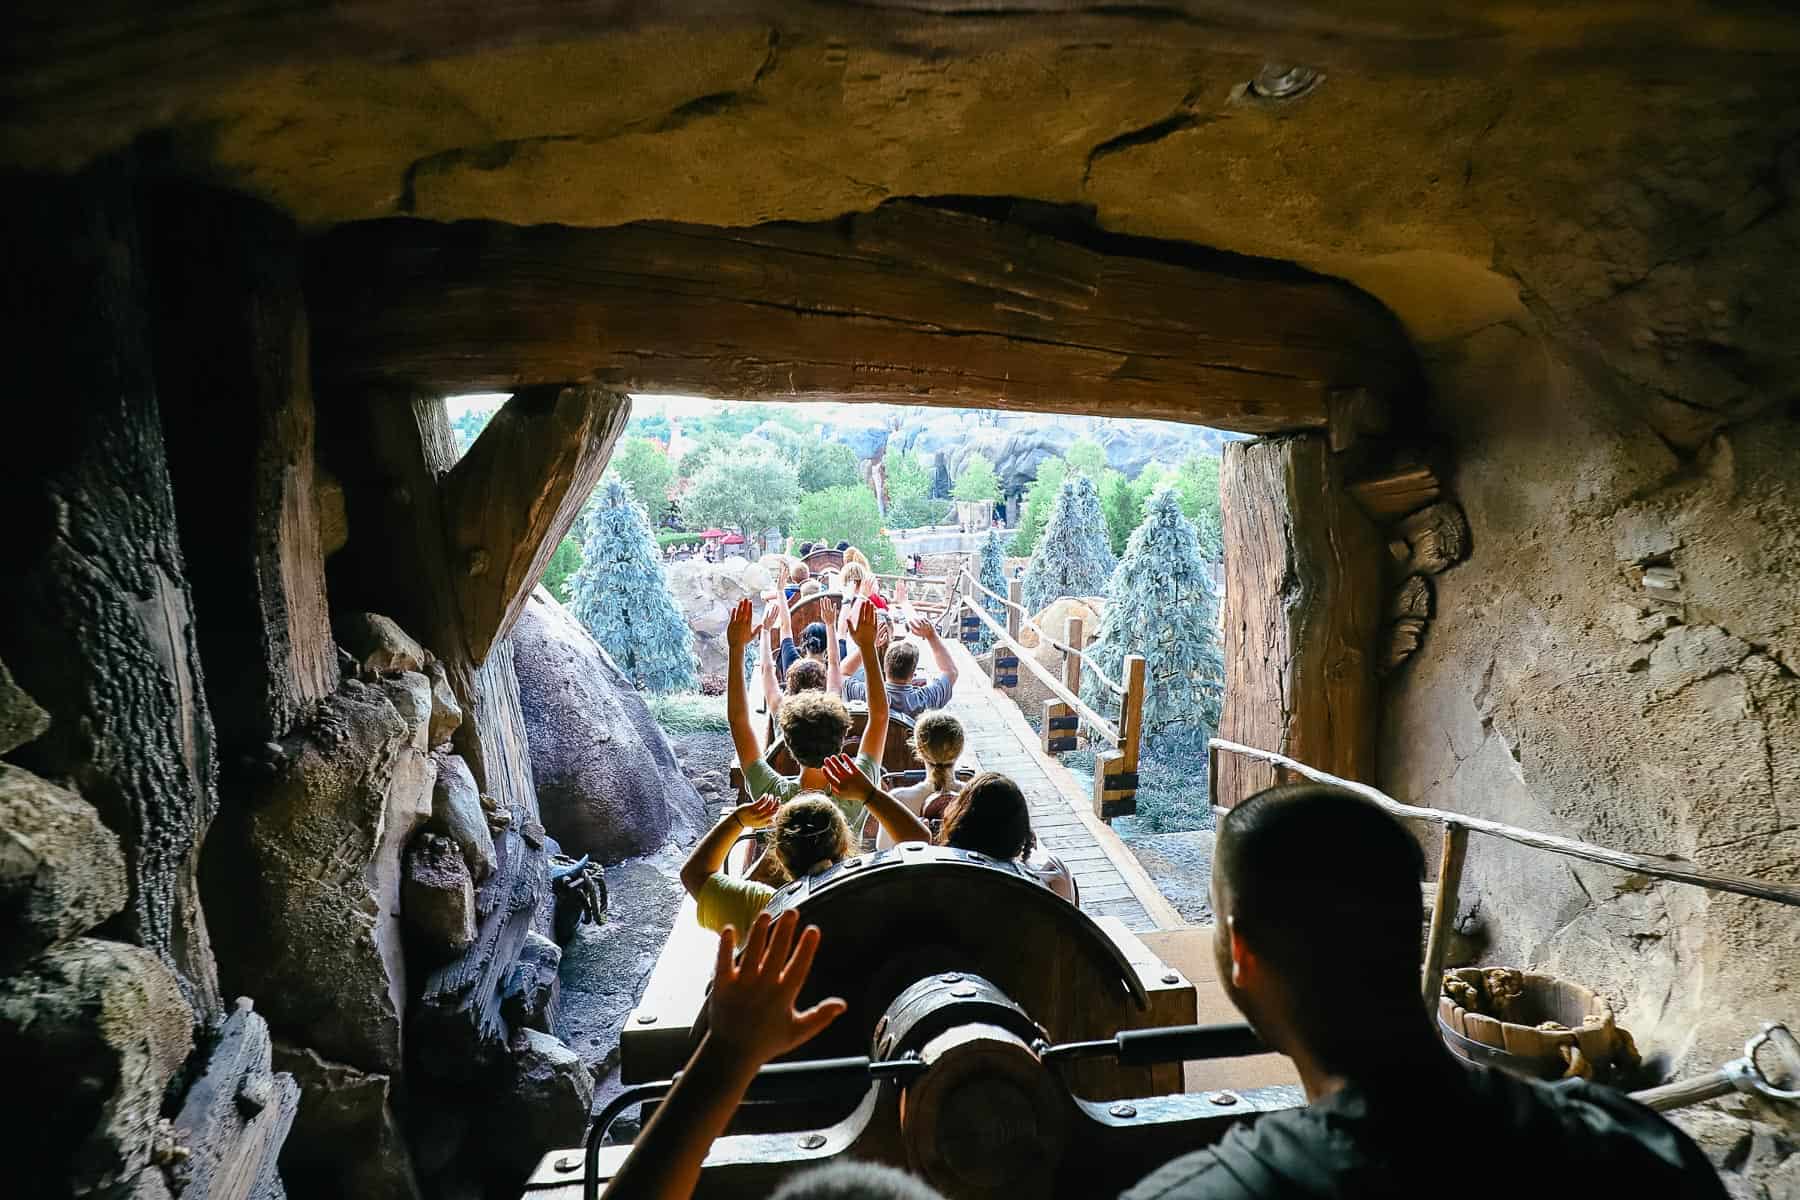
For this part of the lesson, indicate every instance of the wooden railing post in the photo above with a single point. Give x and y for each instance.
(1443, 911)
(969, 630)
(1116, 773)
(1006, 661)
(1060, 721)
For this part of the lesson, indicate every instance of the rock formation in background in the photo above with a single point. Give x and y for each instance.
(606, 776)
(706, 593)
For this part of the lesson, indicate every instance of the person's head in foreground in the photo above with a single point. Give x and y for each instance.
(813, 725)
(810, 834)
(812, 639)
(937, 739)
(990, 817)
(902, 661)
(855, 1181)
(806, 675)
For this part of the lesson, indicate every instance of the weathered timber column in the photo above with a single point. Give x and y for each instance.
(1303, 600)
(236, 395)
(96, 620)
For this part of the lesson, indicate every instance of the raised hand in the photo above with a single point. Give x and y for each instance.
(753, 1014)
(845, 780)
(741, 626)
(919, 627)
(862, 627)
(758, 813)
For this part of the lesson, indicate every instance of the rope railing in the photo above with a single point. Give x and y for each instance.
(1098, 723)
(1113, 686)
(1458, 826)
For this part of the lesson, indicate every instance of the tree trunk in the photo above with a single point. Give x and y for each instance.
(1303, 600)
(96, 619)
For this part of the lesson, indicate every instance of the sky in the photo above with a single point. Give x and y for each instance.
(642, 405)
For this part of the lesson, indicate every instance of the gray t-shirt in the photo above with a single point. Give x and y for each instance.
(904, 697)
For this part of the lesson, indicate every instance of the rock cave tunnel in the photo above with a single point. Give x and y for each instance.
(1529, 269)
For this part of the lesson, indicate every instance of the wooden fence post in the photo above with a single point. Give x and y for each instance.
(1060, 721)
(1006, 662)
(969, 628)
(1443, 910)
(1116, 772)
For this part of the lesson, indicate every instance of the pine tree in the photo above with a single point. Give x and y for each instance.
(1073, 557)
(622, 596)
(1160, 604)
(940, 479)
(992, 575)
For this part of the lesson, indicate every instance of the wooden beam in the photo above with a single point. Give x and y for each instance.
(1303, 599)
(1443, 913)
(907, 304)
(512, 497)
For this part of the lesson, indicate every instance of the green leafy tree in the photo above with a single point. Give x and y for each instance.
(1086, 457)
(940, 478)
(1160, 604)
(654, 426)
(708, 444)
(622, 596)
(1197, 481)
(754, 492)
(1040, 498)
(909, 493)
(1123, 507)
(562, 566)
(847, 514)
(467, 427)
(992, 574)
(643, 465)
(977, 481)
(1073, 557)
(821, 466)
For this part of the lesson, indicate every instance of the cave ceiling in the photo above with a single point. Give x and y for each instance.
(1624, 171)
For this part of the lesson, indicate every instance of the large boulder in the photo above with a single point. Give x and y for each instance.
(706, 593)
(456, 813)
(345, 1140)
(437, 898)
(546, 1107)
(306, 880)
(91, 1033)
(21, 718)
(61, 869)
(378, 644)
(867, 437)
(1031, 692)
(606, 777)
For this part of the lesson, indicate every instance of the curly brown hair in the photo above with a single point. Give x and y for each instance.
(989, 817)
(806, 675)
(810, 834)
(813, 724)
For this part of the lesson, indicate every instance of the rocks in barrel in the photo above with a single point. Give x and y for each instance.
(457, 813)
(91, 1033)
(235, 1117)
(378, 644)
(62, 871)
(607, 781)
(437, 897)
(345, 1140)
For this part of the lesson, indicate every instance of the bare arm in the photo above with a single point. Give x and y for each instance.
(766, 656)
(940, 653)
(753, 1021)
(899, 821)
(709, 853)
(874, 738)
(834, 669)
(737, 692)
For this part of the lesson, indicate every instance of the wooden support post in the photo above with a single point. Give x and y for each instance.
(1303, 604)
(1061, 725)
(1116, 772)
(1443, 911)
(1005, 667)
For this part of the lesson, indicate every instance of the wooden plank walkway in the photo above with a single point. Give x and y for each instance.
(999, 739)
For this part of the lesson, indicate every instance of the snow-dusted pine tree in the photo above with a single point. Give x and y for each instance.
(622, 596)
(1073, 557)
(1160, 604)
(992, 573)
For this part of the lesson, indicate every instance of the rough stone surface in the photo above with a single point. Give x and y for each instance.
(437, 897)
(706, 593)
(546, 1106)
(235, 1116)
(528, 999)
(410, 694)
(308, 880)
(1180, 864)
(1031, 692)
(99, 1028)
(1018, 443)
(456, 812)
(345, 1140)
(378, 644)
(1757, 1158)
(21, 718)
(446, 714)
(61, 869)
(606, 777)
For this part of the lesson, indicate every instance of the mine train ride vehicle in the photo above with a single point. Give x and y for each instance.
(998, 1041)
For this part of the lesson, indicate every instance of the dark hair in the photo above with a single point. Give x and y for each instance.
(805, 549)
(855, 1181)
(806, 675)
(812, 638)
(1299, 864)
(990, 817)
(810, 831)
(813, 725)
(843, 546)
(902, 661)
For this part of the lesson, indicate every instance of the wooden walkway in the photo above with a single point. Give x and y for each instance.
(1062, 812)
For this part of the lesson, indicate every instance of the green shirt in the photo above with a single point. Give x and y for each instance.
(760, 779)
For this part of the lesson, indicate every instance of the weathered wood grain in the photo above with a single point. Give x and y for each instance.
(909, 304)
(1303, 604)
(512, 497)
(236, 1115)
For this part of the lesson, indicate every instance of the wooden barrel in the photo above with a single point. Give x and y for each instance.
(1532, 1025)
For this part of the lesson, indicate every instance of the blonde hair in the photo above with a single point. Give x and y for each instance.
(937, 739)
(799, 572)
(853, 574)
(853, 555)
(809, 588)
